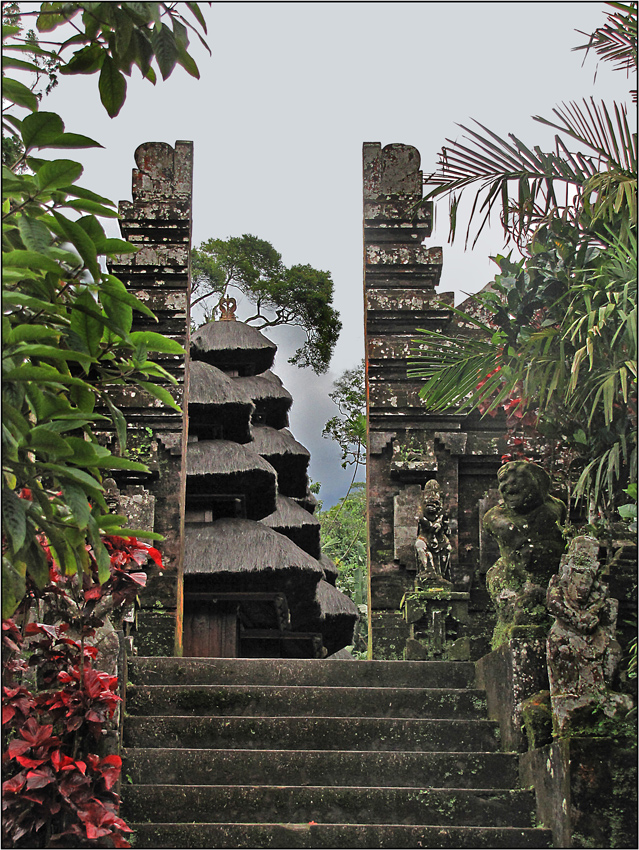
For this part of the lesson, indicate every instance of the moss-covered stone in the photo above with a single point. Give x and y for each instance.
(537, 719)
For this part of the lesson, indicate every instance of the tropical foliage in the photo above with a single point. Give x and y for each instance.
(344, 541)
(296, 295)
(556, 345)
(66, 321)
(343, 526)
(67, 345)
(348, 428)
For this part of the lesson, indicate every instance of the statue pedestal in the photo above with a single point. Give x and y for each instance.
(510, 675)
(436, 617)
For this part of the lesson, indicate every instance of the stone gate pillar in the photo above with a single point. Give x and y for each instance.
(158, 221)
(407, 445)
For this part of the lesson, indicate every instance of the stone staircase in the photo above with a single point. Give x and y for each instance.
(251, 753)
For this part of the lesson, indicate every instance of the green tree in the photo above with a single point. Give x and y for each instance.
(559, 348)
(343, 526)
(344, 541)
(66, 322)
(299, 295)
(348, 428)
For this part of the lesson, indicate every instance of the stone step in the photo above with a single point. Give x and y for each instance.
(315, 733)
(337, 804)
(271, 700)
(317, 673)
(321, 767)
(307, 835)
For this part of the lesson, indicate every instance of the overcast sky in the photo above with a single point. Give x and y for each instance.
(281, 111)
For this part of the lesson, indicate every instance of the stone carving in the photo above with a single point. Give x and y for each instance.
(432, 547)
(526, 525)
(583, 654)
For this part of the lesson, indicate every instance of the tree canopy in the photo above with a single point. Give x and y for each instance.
(296, 295)
(559, 349)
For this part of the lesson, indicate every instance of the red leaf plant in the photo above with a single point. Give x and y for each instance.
(58, 788)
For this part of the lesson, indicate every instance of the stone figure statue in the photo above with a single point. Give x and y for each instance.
(432, 547)
(583, 654)
(526, 525)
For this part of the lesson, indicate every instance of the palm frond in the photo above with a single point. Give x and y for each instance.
(616, 41)
(593, 126)
(524, 180)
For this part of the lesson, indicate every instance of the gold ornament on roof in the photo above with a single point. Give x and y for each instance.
(227, 307)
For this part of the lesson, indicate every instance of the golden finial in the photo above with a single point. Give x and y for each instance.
(227, 309)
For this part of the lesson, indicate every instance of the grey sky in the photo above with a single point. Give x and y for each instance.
(282, 109)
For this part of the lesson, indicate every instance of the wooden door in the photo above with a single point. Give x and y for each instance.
(211, 629)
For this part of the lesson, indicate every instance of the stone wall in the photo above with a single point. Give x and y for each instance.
(158, 221)
(407, 445)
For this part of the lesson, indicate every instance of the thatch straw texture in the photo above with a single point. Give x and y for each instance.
(218, 406)
(330, 570)
(289, 458)
(297, 524)
(241, 546)
(232, 555)
(309, 502)
(338, 616)
(272, 401)
(233, 345)
(220, 467)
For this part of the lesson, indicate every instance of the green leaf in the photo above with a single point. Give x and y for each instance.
(165, 49)
(34, 233)
(78, 476)
(157, 342)
(115, 289)
(119, 421)
(88, 60)
(195, 9)
(53, 14)
(87, 453)
(42, 374)
(30, 333)
(118, 311)
(41, 128)
(112, 87)
(74, 140)
(57, 173)
(83, 244)
(99, 550)
(53, 352)
(76, 499)
(36, 562)
(14, 521)
(19, 94)
(187, 62)
(88, 328)
(116, 246)
(42, 438)
(14, 586)
(91, 207)
(160, 393)
(29, 260)
(87, 194)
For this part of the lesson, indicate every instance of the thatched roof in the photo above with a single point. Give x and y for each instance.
(218, 406)
(221, 467)
(233, 345)
(338, 616)
(272, 401)
(297, 524)
(231, 555)
(289, 458)
(309, 502)
(330, 570)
